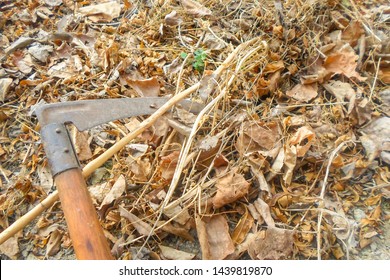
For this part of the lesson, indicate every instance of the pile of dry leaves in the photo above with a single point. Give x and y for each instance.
(288, 160)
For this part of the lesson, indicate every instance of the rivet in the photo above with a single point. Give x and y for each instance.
(58, 130)
(66, 150)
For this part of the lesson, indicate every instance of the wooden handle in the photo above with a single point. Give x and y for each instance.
(89, 242)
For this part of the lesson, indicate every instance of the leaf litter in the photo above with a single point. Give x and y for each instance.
(290, 160)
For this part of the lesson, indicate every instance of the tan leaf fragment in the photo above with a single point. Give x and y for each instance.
(81, 144)
(343, 61)
(168, 165)
(104, 12)
(173, 254)
(304, 135)
(290, 160)
(10, 247)
(263, 209)
(304, 92)
(243, 227)
(195, 9)
(54, 244)
(275, 244)
(259, 136)
(145, 87)
(376, 138)
(230, 188)
(4, 87)
(116, 191)
(173, 19)
(214, 237)
(142, 227)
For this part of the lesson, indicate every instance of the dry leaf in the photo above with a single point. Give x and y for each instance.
(178, 231)
(303, 92)
(375, 137)
(10, 247)
(81, 144)
(343, 61)
(116, 191)
(173, 254)
(216, 242)
(168, 165)
(265, 212)
(145, 87)
(4, 87)
(243, 227)
(54, 244)
(273, 67)
(304, 135)
(194, 8)
(277, 244)
(45, 178)
(340, 90)
(178, 214)
(353, 32)
(142, 227)
(141, 169)
(230, 188)
(104, 12)
(173, 19)
(258, 136)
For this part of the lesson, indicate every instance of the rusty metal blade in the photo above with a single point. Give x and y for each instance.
(86, 114)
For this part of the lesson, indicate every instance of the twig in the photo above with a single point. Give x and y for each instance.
(322, 195)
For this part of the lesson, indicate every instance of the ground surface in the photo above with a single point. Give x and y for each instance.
(289, 159)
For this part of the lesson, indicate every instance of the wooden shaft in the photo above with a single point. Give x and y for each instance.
(88, 239)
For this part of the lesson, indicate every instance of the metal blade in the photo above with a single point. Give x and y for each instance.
(86, 114)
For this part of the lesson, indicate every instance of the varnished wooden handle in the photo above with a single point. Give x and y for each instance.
(88, 239)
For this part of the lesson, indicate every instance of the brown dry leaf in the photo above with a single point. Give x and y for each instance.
(304, 135)
(116, 191)
(273, 67)
(203, 238)
(352, 33)
(168, 165)
(230, 188)
(98, 192)
(343, 61)
(81, 144)
(262, 87)
(259, 136)
(303, 92)
(173, 19)
(195, 9)
(178, 231)
(141, 169)
(178, 214)
(384, 75)
(243, 227)
(276, 244)
(142, 227)
(4, 87)
(173, 254)
(263, 209)
(340, 90)
(375, 136)
(214, 238)
(104, 12)
(290, 160)
(10, 247)
(45, 178)
(54, 244)
(145, 87)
